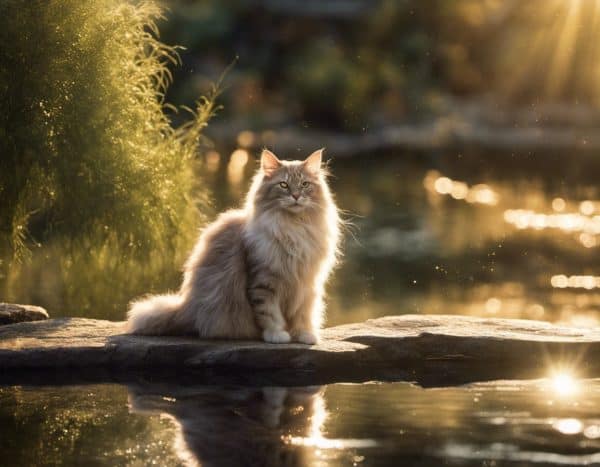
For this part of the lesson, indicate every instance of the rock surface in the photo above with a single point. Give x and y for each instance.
(11, 313)
(395, 347)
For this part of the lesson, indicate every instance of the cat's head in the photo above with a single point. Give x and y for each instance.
(291, 186)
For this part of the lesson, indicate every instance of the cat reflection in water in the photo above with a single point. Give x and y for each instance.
(260, 271)
(219, 426)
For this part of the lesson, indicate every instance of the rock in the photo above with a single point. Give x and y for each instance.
(408, 347)
(11, 313)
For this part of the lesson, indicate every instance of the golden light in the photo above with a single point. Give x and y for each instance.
(557, 54)
(580, 321)
(480, 193)
(535, 311)
(246, 138)
(564, 385)
(560, 281)
(443, 185)
(592, 432)
(493, 305)
(315, 436)
(213, 159)
(568, 222)
(459, 190)
(588, 240)
(568, 426)
(430, 178)
(558, 204)
(561, 63)
(587, 208)
(237, 163)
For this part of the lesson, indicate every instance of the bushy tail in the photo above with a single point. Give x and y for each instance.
(155, 315)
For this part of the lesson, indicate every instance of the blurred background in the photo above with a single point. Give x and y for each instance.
(462, 136)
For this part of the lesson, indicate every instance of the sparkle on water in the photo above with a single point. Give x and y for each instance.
(564, 384)
(551, 421)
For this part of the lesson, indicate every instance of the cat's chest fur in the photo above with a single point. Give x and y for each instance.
(289, 249)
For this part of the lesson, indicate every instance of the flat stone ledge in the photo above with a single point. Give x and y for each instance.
(11, 313)
(384, 348)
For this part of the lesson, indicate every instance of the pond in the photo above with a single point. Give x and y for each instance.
(455, 232)
(537, 422)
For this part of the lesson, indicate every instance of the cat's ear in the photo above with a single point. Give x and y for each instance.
(269, 162)
(313, 162)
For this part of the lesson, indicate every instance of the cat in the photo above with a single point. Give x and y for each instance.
(260, 271)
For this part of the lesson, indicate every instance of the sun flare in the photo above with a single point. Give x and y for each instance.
(564, 384)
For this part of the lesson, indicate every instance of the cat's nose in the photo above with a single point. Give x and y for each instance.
(296, 196)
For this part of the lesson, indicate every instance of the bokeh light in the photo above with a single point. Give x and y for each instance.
(237, 164)
(479, 193)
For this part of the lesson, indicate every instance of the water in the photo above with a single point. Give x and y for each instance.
(499, 235)
(485, 424)
(521, 241)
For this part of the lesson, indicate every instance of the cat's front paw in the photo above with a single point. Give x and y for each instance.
(306, 337)
(276, 336)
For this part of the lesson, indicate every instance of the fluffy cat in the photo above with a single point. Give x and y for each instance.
(260, 271)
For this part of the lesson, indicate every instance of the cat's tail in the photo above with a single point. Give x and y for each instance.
(156, 315)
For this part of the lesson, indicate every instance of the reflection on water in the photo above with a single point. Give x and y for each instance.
(554, 421)
(578, 282)
(79, 425)
(564, 385)
(315, 439)
(240, 426)
(480, 193)
(461, 233)
(570, 222)
(471, 236)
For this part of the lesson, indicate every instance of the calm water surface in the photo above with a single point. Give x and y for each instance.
(540, 422)
(501, 235)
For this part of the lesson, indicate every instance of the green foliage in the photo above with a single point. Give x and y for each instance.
(87, 150)
(333, 70)
(352, 65)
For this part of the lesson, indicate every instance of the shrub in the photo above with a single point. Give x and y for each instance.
(87, 149)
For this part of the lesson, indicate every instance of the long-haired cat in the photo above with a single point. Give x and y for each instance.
(259, 271)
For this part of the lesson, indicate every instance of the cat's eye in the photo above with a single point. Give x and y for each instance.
(283, 185)
(305, 184)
